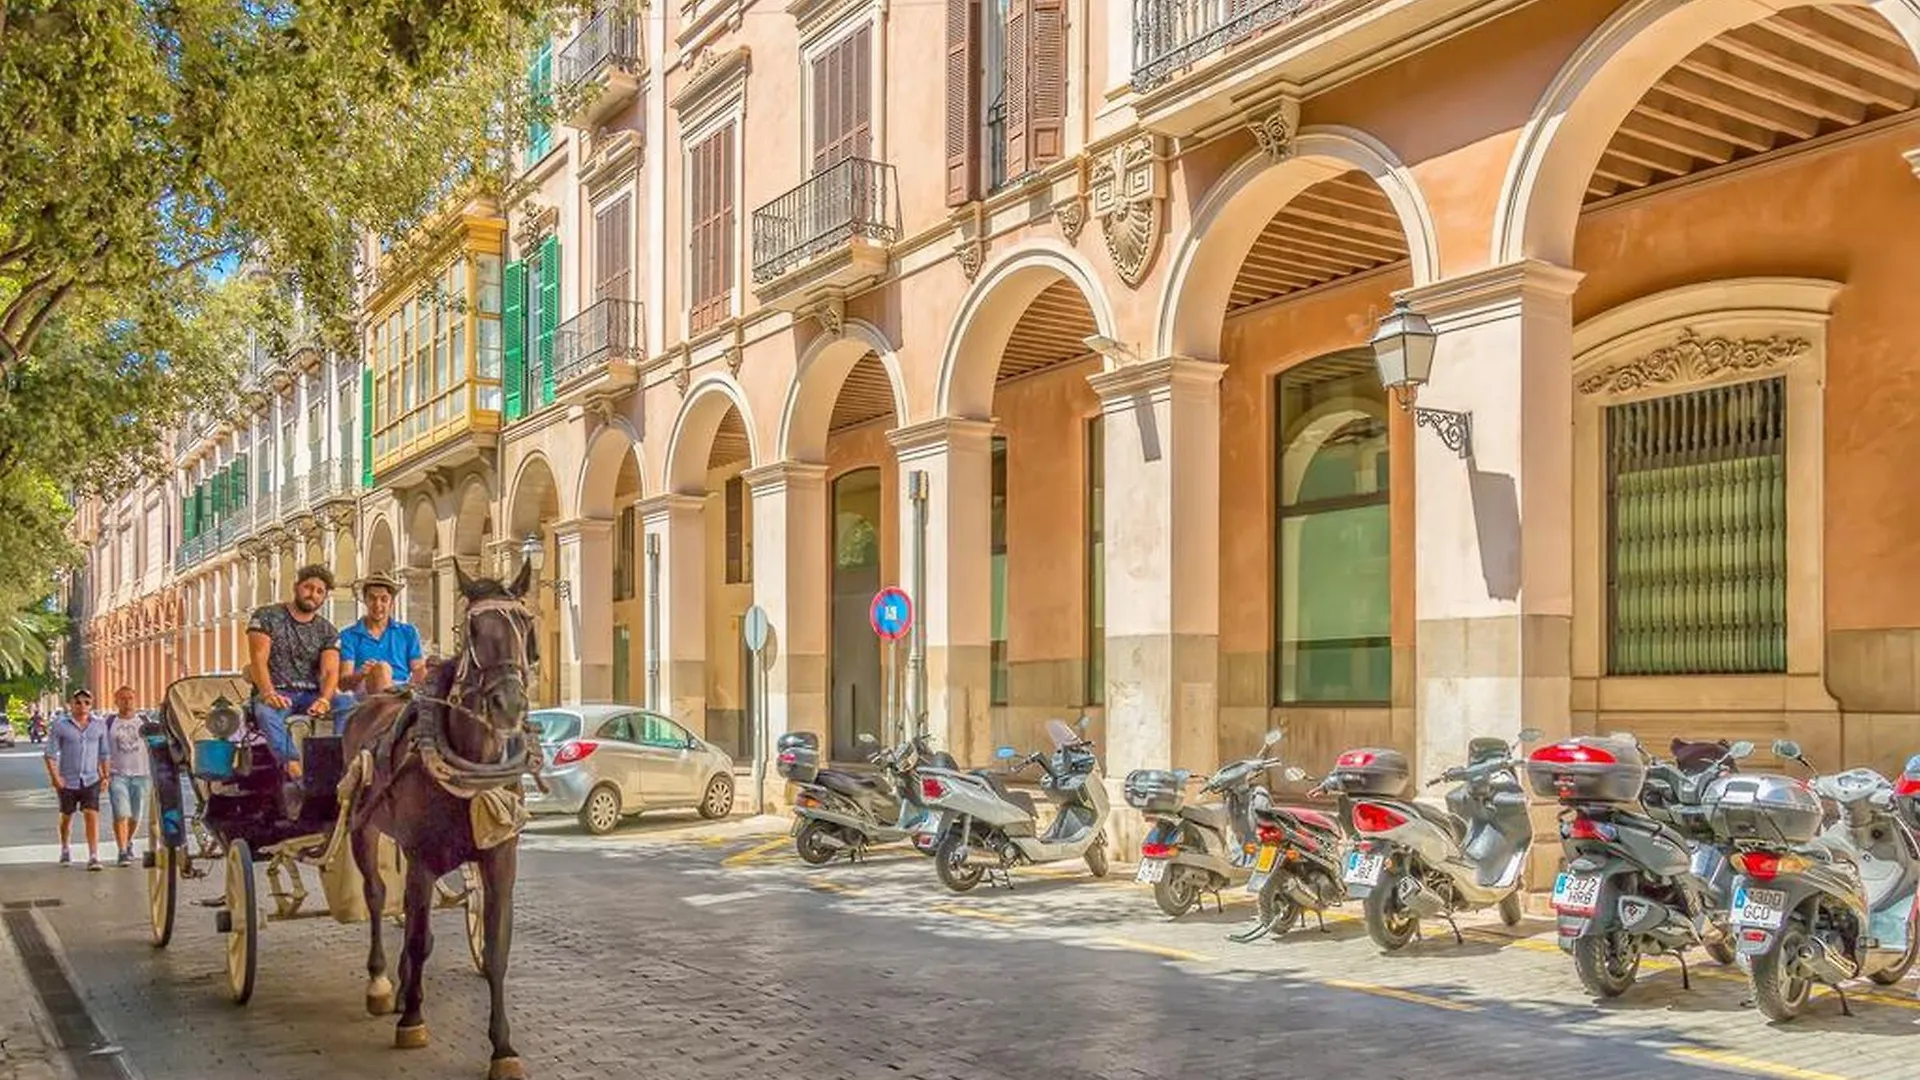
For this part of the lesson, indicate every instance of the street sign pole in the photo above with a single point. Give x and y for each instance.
(891, 616)
(755, 627)
(917, 645)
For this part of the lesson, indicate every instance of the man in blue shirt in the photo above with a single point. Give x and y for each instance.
(379, 652)
(78, 756)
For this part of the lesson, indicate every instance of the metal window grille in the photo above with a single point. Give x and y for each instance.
(1697, 552)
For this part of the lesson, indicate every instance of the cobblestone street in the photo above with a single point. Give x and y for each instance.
(696, 954)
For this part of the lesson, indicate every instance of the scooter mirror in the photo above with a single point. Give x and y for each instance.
(1529, 735)
(1272, 738)
(865, 738)
(1295, 774)
(1006, 752)
(1741, 749)
(1913, 766)
(1085, 723)
(1786, 748)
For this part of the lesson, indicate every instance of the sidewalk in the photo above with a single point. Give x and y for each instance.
(28, 1047)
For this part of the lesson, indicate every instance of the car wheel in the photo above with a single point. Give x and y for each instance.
(601, 812)
(718, 802)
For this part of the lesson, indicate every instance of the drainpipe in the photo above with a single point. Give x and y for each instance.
(653, 624)
(917, 642)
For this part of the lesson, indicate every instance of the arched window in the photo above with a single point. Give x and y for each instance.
(1333, 598)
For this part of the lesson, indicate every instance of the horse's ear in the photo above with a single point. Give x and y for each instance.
(460, 578)
(523, 581)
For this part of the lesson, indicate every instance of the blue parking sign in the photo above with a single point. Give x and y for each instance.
(891, 614)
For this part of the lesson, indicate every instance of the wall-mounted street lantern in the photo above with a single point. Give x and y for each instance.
(535, 553)
(1403, 349)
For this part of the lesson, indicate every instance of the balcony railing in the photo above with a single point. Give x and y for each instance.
(322, 485)
(293, 496)
(1170, 36)
(610, 40)
(609, 330)
(851, 201)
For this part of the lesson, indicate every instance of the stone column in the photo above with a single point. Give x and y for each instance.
(585, 557)
(447, 583)
(1494, 531)
(677, 639)
(1162, 446)
(416, 605)
(790, 576)
(956, 612)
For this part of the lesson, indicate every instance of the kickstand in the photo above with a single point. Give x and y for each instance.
(1322, 916)
(1845, 1009)
(1219, 905)
(1686, 979)
(1457, 939)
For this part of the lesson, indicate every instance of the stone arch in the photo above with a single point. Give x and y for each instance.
(607, 454)
(697, 425)
(1228, 222)
(991, 310)
(380, 548)
(1541, 198)
(346, 558)
(422, 532)
(534, 491)
(817, 382)
(472, 517)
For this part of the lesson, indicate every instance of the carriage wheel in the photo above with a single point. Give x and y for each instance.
(163, 884)
(243, 931)
(476, 918)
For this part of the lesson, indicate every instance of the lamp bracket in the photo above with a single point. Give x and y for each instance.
(1454, 428)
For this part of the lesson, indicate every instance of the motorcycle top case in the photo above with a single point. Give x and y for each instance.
(1772, 809)
(1588, 769)
(1370, 771)
(1153, 791)
(797, 756)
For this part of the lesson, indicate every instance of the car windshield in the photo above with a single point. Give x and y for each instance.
(555, 727)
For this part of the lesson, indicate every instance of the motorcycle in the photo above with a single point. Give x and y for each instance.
(989, 828)
(837, 811)
(37, 731)
(1412, 861)
(1828, 873)
(1632, 885)
(1192, 850)
(1299, 865)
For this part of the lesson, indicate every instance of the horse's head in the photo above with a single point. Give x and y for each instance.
(499, 648)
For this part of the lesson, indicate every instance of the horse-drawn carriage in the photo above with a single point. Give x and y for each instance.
(246, 814)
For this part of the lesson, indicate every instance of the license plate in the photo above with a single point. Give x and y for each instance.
(1576, 894)
(1268, 855)
(1364, 869)
(1151, 871)
(1766, 908)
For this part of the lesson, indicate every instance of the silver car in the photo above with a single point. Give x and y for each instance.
(605, 762)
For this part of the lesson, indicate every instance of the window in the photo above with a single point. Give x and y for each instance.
(662, 732)
(618, 728)
(993, 95)
(540, 93)
(854, 656)
(626, 576)
(1001, 668)
(1096, 688)
(739, 569)
(843, 101)
(1006, 90)
(622, 662)
(1333, 633)
(711, 229)
(612, 274)
(1697, 513)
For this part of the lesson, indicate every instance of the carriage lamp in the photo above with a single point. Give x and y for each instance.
(1403, 350)
(532, 550)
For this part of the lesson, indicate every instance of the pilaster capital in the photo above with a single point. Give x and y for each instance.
(781, 476)
(1492, 293)
(1156, 378)
(941, 435)
(576, 530)
(656, 509)
(414, 576)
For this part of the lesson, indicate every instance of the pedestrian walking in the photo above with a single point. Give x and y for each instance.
(128, 787)
(294, 664)
(78, 759)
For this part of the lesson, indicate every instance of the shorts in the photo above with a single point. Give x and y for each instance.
(83, 798)
(128, 795)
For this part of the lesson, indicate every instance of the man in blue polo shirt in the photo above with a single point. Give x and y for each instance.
(379, 652)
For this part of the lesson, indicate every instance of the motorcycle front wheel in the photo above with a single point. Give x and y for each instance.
(1892, 975)
(1607, 963)
(954, 873)
(1390, 925)
(1780, 991)
(1176, 892)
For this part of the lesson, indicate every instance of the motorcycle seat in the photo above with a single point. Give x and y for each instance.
(854, 787)
(1209, 817)
(1313, 818)
(1438, 816)
(1018, 798)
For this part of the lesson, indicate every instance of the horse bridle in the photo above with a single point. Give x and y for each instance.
(518, 668)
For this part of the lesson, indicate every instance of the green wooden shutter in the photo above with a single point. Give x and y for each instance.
(540, 89)
(513, 327)
(241, 493)
(549, 312)
(186, 518)
(366, 427)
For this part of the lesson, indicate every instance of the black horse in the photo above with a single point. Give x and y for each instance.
(430, 755)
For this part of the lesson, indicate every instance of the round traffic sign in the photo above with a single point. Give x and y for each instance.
(755, 627)
(891, 613)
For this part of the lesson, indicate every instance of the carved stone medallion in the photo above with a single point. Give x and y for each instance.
(1128, 193)
(1275, 130)
(1693, 358)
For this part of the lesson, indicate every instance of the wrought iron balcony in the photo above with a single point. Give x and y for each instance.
(838, 224)
(1170, 36)
(293, 496)
(323, 485)
(598, 69)
(610, 331)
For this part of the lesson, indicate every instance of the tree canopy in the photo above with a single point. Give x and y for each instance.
(149, 146)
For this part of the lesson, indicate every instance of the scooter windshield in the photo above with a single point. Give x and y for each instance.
(1062, 735)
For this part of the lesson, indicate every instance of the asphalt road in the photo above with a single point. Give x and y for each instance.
(673, 958)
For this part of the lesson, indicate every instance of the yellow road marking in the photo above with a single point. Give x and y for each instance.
(1752, 1066)
(1151, 949)
(974, 913)
(742, 858)
(1401, 995)
(835, 887)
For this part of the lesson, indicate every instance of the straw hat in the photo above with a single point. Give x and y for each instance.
(381, 578)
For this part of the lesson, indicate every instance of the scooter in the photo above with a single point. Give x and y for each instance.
(1828, 875)
(1412, 861)
(1633, 885)
(838, 812)
(1195, 849)
(1299, 865)
(989, 829)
